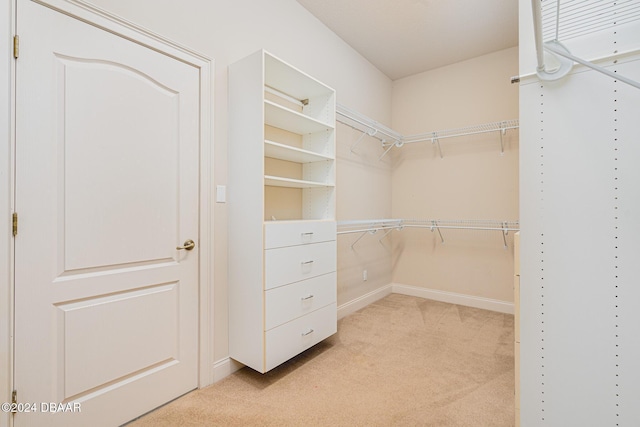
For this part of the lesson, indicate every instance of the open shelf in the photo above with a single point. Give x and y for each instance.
(284, 118)
(277, 181)
(275, 150)
(292, 81)
(282, 166)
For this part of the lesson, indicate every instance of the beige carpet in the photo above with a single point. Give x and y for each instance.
(402, 361)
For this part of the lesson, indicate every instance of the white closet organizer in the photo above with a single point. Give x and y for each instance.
(389, 138)
(372, 226)
(282, 228)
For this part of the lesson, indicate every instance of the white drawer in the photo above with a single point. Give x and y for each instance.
(295, 263)
(292, 338)
(297, 299)
(291, 233)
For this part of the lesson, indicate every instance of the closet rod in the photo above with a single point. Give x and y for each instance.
(435, 137)
(368, 230)
(482, 225)
(385, 224)
(460, 227)
(466, 131)
(285, 96)
(370, 226)
(365, 225)
(395, 139)
(373, 128)
(352, 222)
(474, 224)
(389, 225)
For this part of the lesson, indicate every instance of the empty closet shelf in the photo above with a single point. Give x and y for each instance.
(284, 118)
(276, 150)
(277, 181)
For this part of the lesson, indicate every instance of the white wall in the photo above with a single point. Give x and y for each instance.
(473, 180)
(230, 30)
(364, 192)
(580, 235)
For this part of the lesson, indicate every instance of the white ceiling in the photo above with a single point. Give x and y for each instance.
(406, 37)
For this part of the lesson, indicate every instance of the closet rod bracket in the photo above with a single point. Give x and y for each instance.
(398, 228)
(434, 225)
(503, 132)
(435, 140)
(370, 132)
(362, 235)
(505, 231)
(397, 143)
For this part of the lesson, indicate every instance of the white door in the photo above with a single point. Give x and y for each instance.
(107, 154)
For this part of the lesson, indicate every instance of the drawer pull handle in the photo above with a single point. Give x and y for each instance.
(306, 262)
(310, 331)
(306, 298)
(307, 234)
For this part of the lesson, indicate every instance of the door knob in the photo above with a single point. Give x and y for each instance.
(188, 245)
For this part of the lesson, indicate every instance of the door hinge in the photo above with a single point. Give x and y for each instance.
(15, 224)
(14, 396)
(16, 46)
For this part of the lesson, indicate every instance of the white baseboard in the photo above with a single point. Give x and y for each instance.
(363, 301)
(225, 367)
(454, 298)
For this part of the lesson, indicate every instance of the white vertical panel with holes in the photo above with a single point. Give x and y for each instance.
(580, 221)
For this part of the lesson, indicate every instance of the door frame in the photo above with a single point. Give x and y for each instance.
(7, 79)
(105, 20)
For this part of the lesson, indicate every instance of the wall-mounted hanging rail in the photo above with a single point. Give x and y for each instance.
(390, 138)
(435, 137)
(464, 224)
(286, 96)
(553, 21)
(370, 226)
(367, 126)
(388, 225)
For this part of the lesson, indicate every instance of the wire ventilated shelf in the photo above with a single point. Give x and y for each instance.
(372, 226)
(567, 19)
